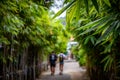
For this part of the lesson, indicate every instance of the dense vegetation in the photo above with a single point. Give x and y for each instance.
(96, 26)
(27, 35)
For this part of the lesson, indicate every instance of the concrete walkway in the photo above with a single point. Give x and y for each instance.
(72, 71)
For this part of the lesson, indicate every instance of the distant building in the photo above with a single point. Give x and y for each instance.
(69, 46)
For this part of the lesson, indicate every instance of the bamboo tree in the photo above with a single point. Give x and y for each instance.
(27, 34)
(99, 36)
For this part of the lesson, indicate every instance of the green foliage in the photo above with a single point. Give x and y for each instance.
(80, 54)
(81, 57)
(27, 35)
(98, 33)
(63, 9)
(108, 62)
(28, 23)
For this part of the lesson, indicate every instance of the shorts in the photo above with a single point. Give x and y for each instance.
(61, 63)
(52, 64)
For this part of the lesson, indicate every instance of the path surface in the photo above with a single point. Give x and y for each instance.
(72, 71)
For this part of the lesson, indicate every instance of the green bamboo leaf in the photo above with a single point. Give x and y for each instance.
(63, 9)
(118, 24)
(10, 58)
(108, 62)
(95, 4)
(93, 39)
(90, 38)
(94, 25)
(107, 2)
(88, 25)
(86, 4)
(105, 59)
(108, 47)
(4, 40)
(106, 33)
(70, 13)
(77, 12)
(102, 28)
(86, 40)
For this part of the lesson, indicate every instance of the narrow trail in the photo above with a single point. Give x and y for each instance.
(72, 71)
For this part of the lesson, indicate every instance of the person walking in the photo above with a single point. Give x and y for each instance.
(52, 62)
(61, 62)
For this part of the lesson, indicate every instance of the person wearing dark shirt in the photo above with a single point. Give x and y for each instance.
(52, 62)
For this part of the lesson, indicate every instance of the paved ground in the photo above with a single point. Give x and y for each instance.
(72, 71)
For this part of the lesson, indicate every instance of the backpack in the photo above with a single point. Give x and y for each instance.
(61, 58)
(53, 57)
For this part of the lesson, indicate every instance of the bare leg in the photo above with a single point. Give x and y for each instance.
(61, 68)
(52, 70)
